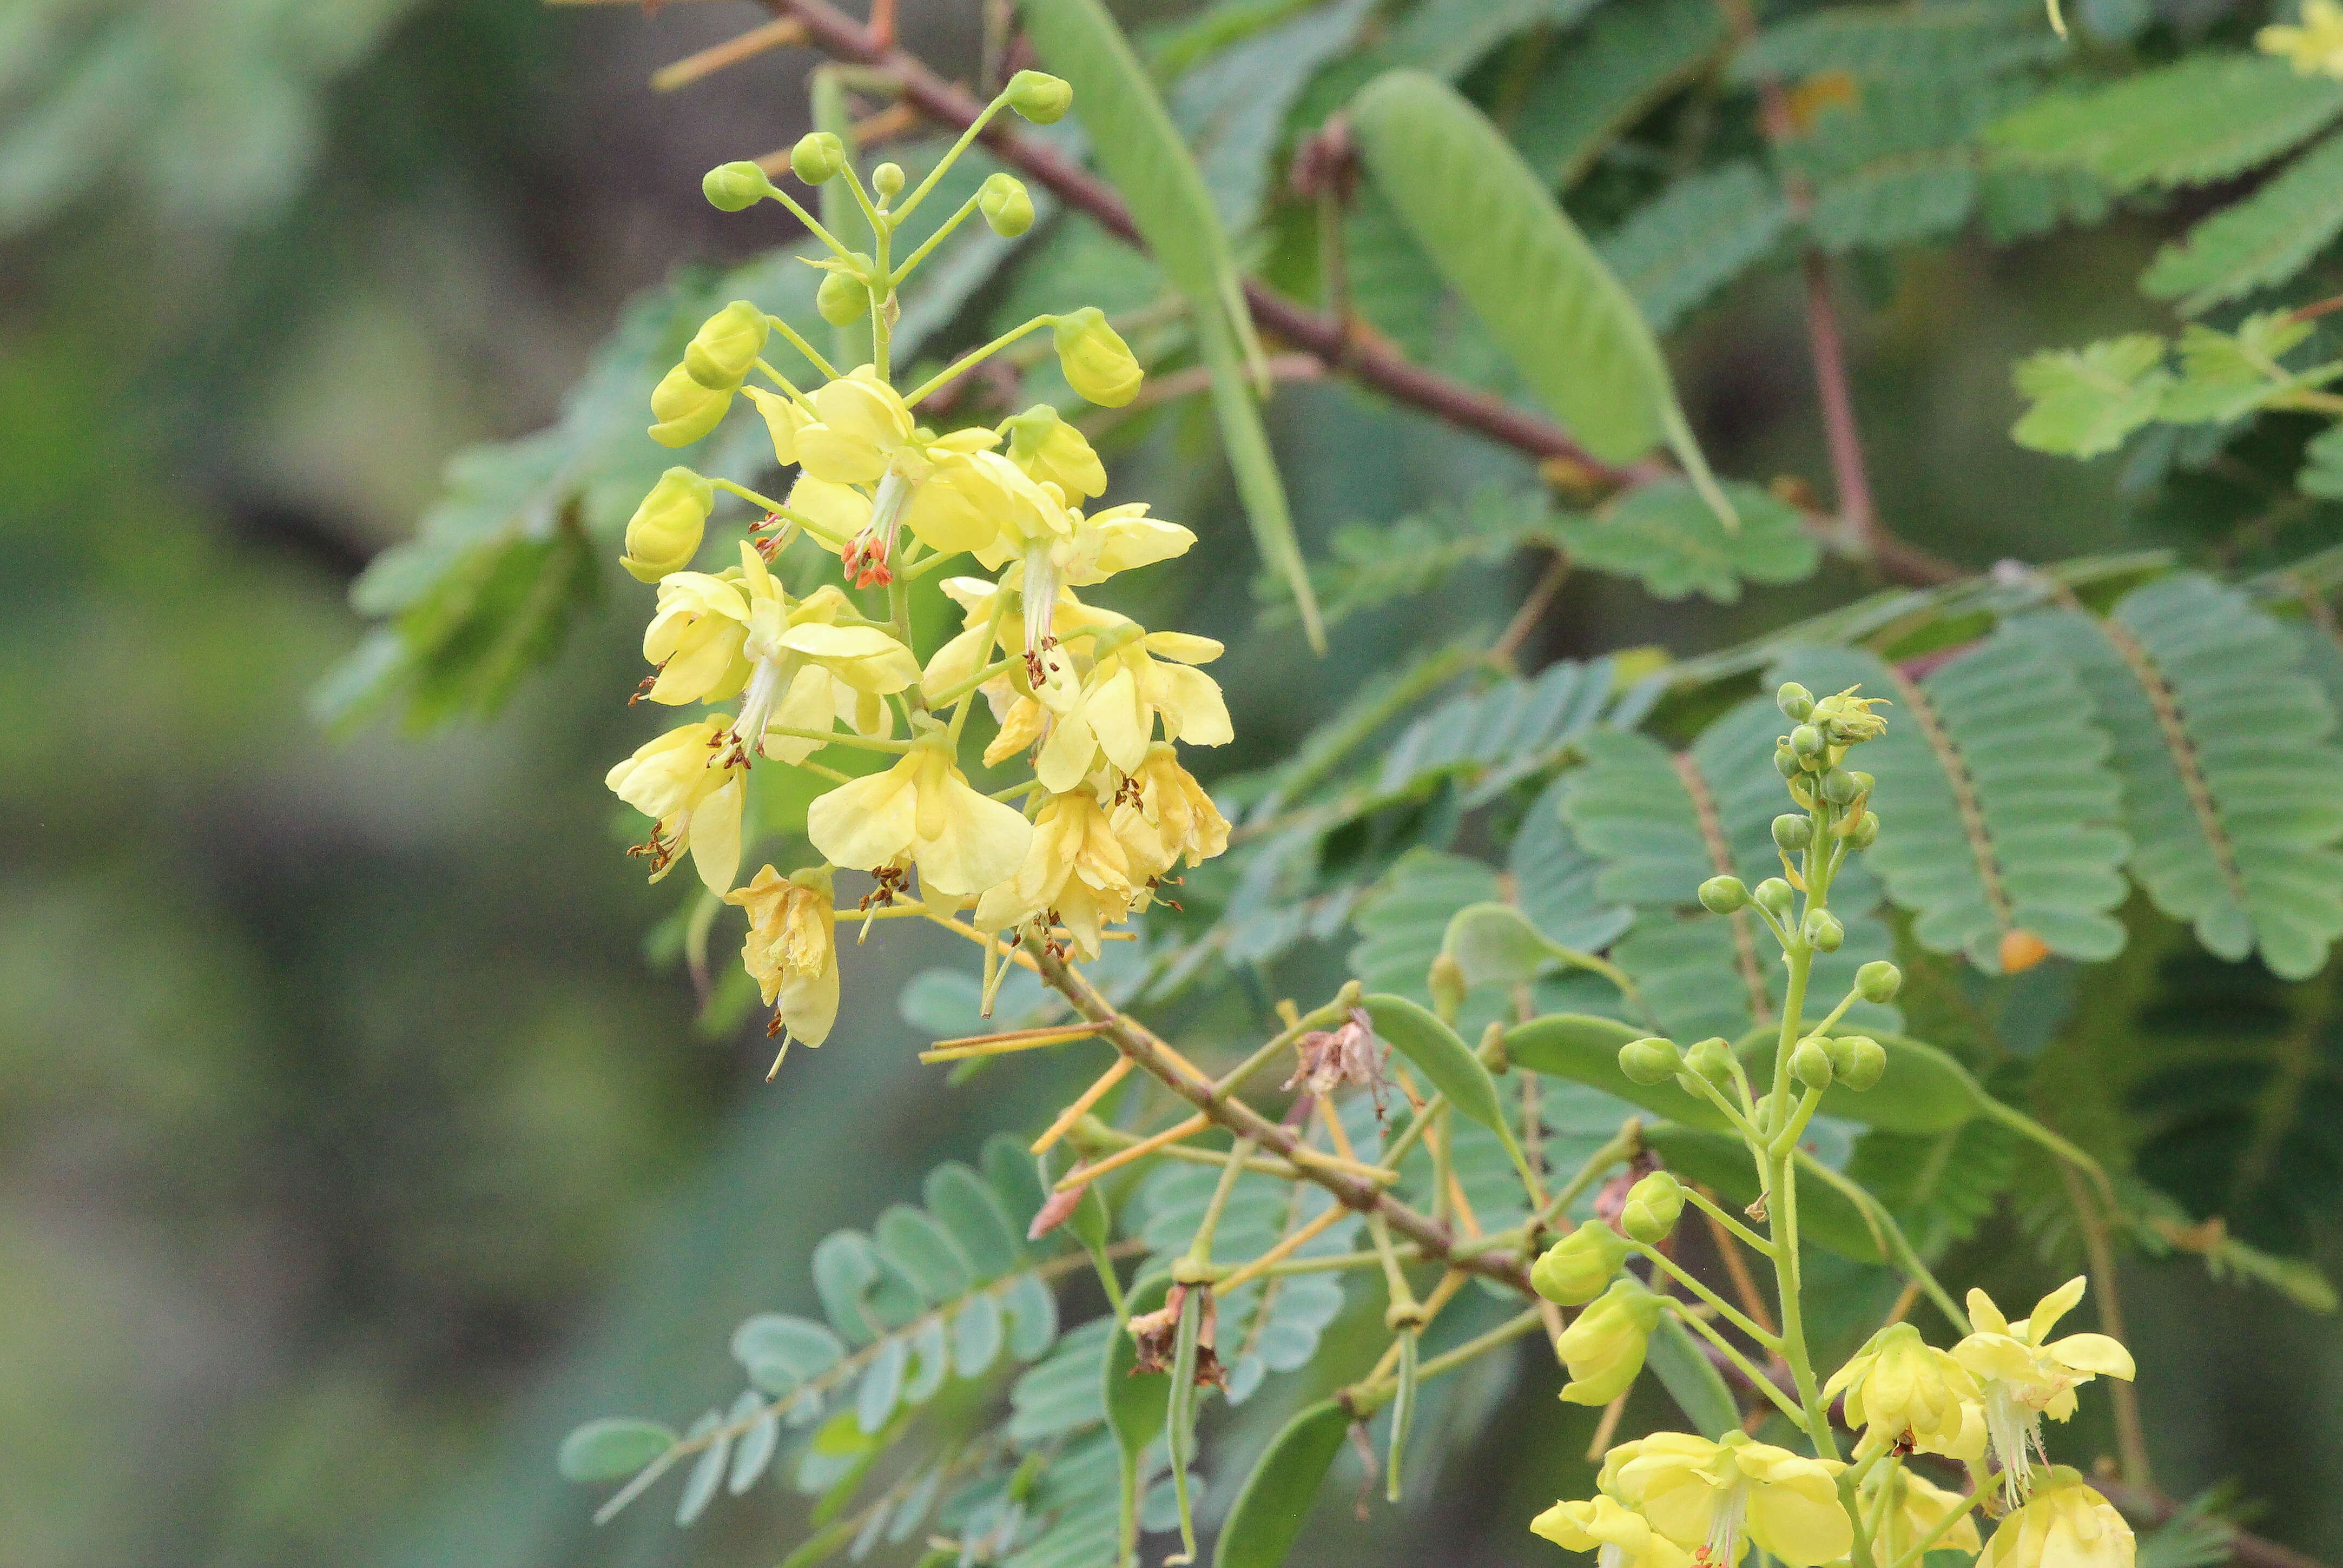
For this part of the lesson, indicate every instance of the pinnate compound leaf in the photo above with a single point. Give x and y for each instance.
(707, 1471)
(2322, 470)
(1607, 75)
(612, 1447)
(1699, 235)
(2087, 400)
(1274, 1503)
(1901, 45)
(2207, 118)
(2260, 242)
(2225, 375)
(1524, 267)
(1232, 106)
(1141, 150)
(1666, 535)
(781, 1352)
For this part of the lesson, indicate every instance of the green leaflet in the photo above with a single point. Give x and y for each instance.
(2260, 242)
(1899, 164)
(1451, 1065)
(1606, 76)
(1697, 236)
(608, 1449)
(2205, 118)
(1369, 566)
(1923, 1091)
(1906, 46)
(1448, 38)
(1524, 267)
(1585, 1049)
(1691, 1379)
(1663, 534)
(1274, 1503)
(1141, 151)
(2087, 400)
(1992, 774)
(2232, 788)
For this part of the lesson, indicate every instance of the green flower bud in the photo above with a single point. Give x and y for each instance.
(1651, 1060)
(887, 179)
(732, 187)
(685, 409)
(817, 158)
(1097, 362)
(1786, 761)
(1710, 1059)
(664, 533)
(1793, 832)
(1775, 896)
(1008, 210)
(1446, 983)
(1040, 96)
(843, 299)
(1866, 832)
(1839, 787)
(1858, 1060)
(1823, 929)
(1806, 740)
(1574, 1270)
(1811, 1063)
(1604, 1347)
(1723, 895)
(1797, 703)
(1878, 981)
(1652, 1205)
(722, 353)
(1864, 782)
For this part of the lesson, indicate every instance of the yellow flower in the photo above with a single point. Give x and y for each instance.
(863, 434)
(664, 533)
(791, 951)
(1903, 1389)
(1075, 870)
(1577, 1267)
(1113, 710)
(2316, 45)
(2023, 1375)
(1618, 1537)
(784, 418)
(2068, 1525)
(695, 638)
(685, 410)
(1603, 1346)
(1914, 1510)
(1171, 817)
(684, 779)
(1049, 450)
(1056, 546)
(691, 398)
(1703, 1495)
(1097, 363)
(922, 811)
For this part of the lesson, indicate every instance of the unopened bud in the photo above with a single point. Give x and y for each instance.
(1878, 981)
(1786, 761)
(1049, 449)
(1651, 1060)
(1806, 740)
(1797, 703)
(1823, 929)
(817, 158)
(1446, 983)
(1866, 831)
(1652, 1205)
(664, 533)
(1775, 896)
(1040, 96)
(1793, 832)
(843, 299)
(1723, 895)
(731, 187)
(685, 409)
(1811, 1064)
(1576, 1268)
(1008, 210)
(1097, 363)
(1839, 787)
(1858, 1061)
(887, 179)
(722, 352)
(1710, 1059)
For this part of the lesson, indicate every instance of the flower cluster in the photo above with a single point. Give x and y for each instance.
(1088, 703)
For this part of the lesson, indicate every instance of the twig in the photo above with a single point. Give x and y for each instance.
(1533, 611)
(2131, 1437)
(1857, 517)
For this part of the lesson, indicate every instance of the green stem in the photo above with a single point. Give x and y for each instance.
(1200, 1249)
(1725, 1309)
(1621, 1146)
(975, 128)
(911, 262)
(1398, 1146)
(1757, 1379)
(1749, 1238)
(974, 357)
(784, 383)
(777, 509)
(813, 355)
(1365, 1398)
(836, 738)
(813, 224)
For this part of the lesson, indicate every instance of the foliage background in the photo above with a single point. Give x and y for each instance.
(349, 1148)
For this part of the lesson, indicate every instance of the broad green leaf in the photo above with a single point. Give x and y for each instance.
(924, 1252)
(2207, 118)
(1494, 944)
(1524, 267)
(780, 1352)
(2087, 400)
(1452, 1066)
(1275, 1501)
(1691, 1379)
(2260, 242)
(608, 1449)
(1141, 150)
(1585, 1049)
(1663, 534)
(1923, 1091)
(972, 1212)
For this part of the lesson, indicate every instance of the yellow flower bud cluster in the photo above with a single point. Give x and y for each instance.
(1087, 706)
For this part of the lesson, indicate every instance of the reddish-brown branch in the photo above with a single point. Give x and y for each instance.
(1857, 515)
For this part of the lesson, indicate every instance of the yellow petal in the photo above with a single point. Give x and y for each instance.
(1122, 722)
(783, 418)
(1183, 648)
(1138, 542)
(2050, 1309)
(839, 509)
(1193, 709)
(2094, 1353)
(946, 517)
(863, 657)
(1066, 756)
(716, 834)
(869, 822)
(808, 1003)
(806, 705)
(839, 458)
(863, 408)
(1801, 1525)
(1983, 1316)
(982, 841)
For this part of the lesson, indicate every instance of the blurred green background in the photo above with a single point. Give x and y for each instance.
(351, 1149)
